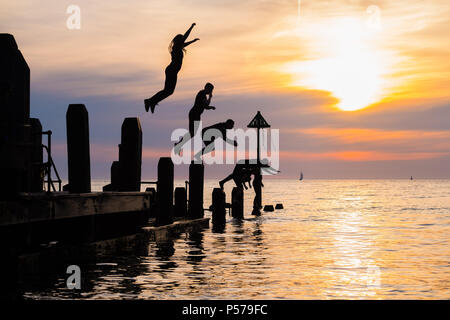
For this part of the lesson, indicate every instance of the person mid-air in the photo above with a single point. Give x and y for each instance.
(177, 50)
(202, 103)
(209, 135)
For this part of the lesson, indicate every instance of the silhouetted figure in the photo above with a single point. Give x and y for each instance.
(247, 179)
(222, 127)
(202, 101)
(257, 187)
(177, 50)
(241, 174)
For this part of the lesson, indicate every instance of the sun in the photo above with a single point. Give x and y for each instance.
(349, 68)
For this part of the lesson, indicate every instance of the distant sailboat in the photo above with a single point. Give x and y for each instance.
(301, 176)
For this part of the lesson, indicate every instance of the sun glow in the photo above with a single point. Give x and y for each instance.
(350, 68)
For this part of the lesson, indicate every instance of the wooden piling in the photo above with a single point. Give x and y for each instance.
(14, 83)
(130, 155)
(218, 207)
(115, 174)
(165, 191)
(257, 201)
(15, 133)
(153, 208)
(37, 168)
(196, 185)
(180, 208)
(78, 156)
(237, 203)
(115, 177)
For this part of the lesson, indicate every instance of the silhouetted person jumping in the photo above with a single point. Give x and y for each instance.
(177, 50)
(202, 101)
(222, 127)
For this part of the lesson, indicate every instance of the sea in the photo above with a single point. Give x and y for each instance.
(334, 239)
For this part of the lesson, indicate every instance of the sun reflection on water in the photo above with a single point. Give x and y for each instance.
(334, 240)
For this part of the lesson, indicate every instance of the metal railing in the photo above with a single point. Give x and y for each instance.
(50, 164)
(149, 182)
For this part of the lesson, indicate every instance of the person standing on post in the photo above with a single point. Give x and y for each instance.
(257, 187)
(177, 50)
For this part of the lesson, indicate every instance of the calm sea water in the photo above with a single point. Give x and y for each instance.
(335, 239)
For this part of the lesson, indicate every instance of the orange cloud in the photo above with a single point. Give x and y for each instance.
(352, 135)
(154, 153)
(352, 155)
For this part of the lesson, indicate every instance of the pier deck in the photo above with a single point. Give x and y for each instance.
(29, 208)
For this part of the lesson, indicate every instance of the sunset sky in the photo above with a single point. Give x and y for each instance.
(358, 89)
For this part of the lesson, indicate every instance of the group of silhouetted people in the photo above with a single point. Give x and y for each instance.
(241, 175)
(242, 172)
(202, 100)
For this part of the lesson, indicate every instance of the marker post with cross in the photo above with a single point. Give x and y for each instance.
(259, 123)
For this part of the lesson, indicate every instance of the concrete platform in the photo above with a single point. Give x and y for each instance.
(162, 233)
(57, 255)
(28, 208)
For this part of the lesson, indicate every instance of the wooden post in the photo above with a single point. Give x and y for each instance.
(153, 208)
(14, 83)
(258, 157)
(180, 209)
(218, 207)
(115, 175)
(37, 174)
(165, 191)
(115, 178)
(279, 206)
(130, 155)
(78, 156)
(237, 203)
(257, 187)
(196, 185)
(15, 133)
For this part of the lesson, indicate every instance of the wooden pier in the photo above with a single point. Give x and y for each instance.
(34, 212)
(38, 207)
(38, 220)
